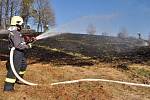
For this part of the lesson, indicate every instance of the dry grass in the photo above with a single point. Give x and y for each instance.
(55, 65)
(46, 74)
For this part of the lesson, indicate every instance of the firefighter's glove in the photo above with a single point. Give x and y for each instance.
(30, 45)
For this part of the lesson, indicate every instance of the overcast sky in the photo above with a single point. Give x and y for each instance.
(107, 15)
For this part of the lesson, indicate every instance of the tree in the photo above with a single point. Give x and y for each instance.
(8, 8)
(123, 33)
(39, 10)
(26, 10)
(91, 29)
(149, 37)
(105, 33)
(43, 14)
(4, 13)
(47, 18)
(1, 13)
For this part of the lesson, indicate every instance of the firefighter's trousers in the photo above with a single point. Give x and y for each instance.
(20, 65)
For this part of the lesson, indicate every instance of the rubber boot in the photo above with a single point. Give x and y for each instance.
(8, 87)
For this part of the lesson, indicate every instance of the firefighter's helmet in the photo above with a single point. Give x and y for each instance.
(16, 20)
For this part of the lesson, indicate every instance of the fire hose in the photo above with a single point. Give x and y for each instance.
(14, 71)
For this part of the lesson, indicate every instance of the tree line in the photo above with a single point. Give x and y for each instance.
(39, 12)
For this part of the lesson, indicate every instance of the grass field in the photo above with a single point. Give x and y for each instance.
(56, 61)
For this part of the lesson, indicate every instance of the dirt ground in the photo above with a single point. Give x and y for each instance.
(45, 74)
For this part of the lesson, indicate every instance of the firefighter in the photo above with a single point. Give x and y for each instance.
(15, 40)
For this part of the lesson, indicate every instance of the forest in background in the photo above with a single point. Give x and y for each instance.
(39, 12)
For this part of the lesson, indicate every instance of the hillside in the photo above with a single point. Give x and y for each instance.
(96, 47)
(76, 56)
(92, 41)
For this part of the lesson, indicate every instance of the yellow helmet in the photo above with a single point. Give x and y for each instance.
(16, 20)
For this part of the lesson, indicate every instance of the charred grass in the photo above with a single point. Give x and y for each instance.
(54, 63)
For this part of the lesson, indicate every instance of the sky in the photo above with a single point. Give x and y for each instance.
(110, 16)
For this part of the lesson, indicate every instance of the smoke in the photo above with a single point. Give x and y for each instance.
(80, 24)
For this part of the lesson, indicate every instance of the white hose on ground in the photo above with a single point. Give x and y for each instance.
(14, 71)
(102, 80)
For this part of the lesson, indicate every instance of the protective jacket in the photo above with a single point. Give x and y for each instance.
(15, 40)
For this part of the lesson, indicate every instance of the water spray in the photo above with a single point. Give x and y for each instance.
(47, 35)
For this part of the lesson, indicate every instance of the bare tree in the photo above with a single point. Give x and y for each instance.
(8, 8)
(43, 14)
(123, 33)
(39, 10)
(149, 37)
(91, 29)
(47, 18)
(26, 6)
(1, 3)
(4, 12)
(105, 33)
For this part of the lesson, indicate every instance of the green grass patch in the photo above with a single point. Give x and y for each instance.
(143, 72)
